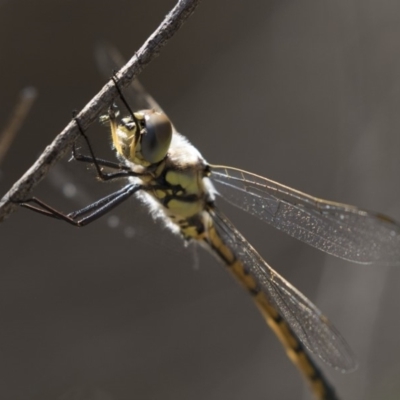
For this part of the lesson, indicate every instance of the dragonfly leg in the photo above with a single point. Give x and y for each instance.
(123, 99)
(93, 211)
(100, 161)
(121, 170)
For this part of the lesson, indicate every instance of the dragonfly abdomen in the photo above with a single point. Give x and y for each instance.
(293, 347)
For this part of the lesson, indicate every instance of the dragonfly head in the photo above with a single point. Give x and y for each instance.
(155, 135)
(147, 143)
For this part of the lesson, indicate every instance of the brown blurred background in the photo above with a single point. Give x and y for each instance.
(304, 92)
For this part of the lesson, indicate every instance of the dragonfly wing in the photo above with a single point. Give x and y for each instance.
(338, 229)
(109, 59)
(311, 327)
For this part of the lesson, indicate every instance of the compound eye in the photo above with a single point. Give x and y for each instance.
(157, 136)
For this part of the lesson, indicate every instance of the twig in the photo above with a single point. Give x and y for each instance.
(150, 49)
(21, 110)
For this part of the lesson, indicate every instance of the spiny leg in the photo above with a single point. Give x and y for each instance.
(104, 205)
(123, 99)
(100, 161)
(100, 207)
(93, 211)
(122, 171)
(89, 159)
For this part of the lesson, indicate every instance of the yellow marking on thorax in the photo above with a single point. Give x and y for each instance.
(190, 231)
(188, 179)
(190, 182)
(160, 194)
(183, 208)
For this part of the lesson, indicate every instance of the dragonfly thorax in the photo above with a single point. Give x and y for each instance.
(178, 189)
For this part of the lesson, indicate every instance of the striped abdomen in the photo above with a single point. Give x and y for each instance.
(293, 347)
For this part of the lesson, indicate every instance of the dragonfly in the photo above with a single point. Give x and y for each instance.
(161, 169)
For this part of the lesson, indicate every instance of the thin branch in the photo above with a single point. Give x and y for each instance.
(26, 99)
(150, 49)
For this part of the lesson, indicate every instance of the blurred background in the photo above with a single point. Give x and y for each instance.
(304, 92)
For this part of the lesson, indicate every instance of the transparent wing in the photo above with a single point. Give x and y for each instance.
(109, 59)
(310, 326)
(338, 229)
